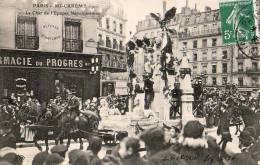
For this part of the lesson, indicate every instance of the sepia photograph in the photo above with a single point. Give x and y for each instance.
(129, 82)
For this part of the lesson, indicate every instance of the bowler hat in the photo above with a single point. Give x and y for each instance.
(60, 149)
(54, 159)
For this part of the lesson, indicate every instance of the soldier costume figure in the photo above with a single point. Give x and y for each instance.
(175, 101)
(73, 107)
(148, 90)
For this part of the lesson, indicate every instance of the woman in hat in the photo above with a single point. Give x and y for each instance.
(194, 145)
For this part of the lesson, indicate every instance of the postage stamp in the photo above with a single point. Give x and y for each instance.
(237, 21)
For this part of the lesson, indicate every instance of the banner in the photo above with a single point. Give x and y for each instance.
(50, 32)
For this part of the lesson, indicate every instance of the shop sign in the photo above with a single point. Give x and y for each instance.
(46, 60)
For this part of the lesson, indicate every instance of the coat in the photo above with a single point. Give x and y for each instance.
(134, 160)
(8, 140)
(165, 157)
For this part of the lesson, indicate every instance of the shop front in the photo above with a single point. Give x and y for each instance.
(47, 74)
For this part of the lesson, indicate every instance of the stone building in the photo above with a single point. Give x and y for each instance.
(49, 46)
(199, 37)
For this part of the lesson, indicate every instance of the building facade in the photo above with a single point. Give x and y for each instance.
(199, 37)
(48, 48)
(111, 44)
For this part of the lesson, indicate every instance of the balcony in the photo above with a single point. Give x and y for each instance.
(194, 34)
(253, 71)
(27, 42)
(114, 63)
(72, 45)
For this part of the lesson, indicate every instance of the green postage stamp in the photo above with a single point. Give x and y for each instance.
(237, 21)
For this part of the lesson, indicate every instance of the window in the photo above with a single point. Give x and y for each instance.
(114, 26)
(152, 34)
(214, 55)
(107, 24)
(121, 28)
(184, 45)
(224, 80)
(214, 81)
(115, 44)
(254, 51)
(99, 36)
(225, 54)
(204, 56)
(100, 23)
(204, 43)
(195, 44)
(72, 30)
(195, 70)
(224, 68)
(187, 19)
(72, 36)
(214, 42)
(204, 69)
(26, 37)
(214, 68)
(100, 40)
(254, 81)
(195, 57)
(240, 67)
(121, 45)
(254, 66)
(108, 42)
(240, 81)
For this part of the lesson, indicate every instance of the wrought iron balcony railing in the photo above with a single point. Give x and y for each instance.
(186, 35)
(26, 42)
(72, 45)
(253, 71)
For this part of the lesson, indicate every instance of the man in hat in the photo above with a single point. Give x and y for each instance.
(60, 149)
(129, 152)
(176, 93)
(194, 146)
(154, 140)
(148, 90)
(7, 138)
(95, 145)
(73, 108)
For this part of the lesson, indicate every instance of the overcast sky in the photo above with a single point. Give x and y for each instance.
(137, 9)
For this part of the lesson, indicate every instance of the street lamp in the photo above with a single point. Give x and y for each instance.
(95, 65)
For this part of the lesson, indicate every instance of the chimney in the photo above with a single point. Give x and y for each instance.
(164, 7)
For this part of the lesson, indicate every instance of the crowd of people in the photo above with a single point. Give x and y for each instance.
(209, 102)
(154, 146)
(158, 145)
